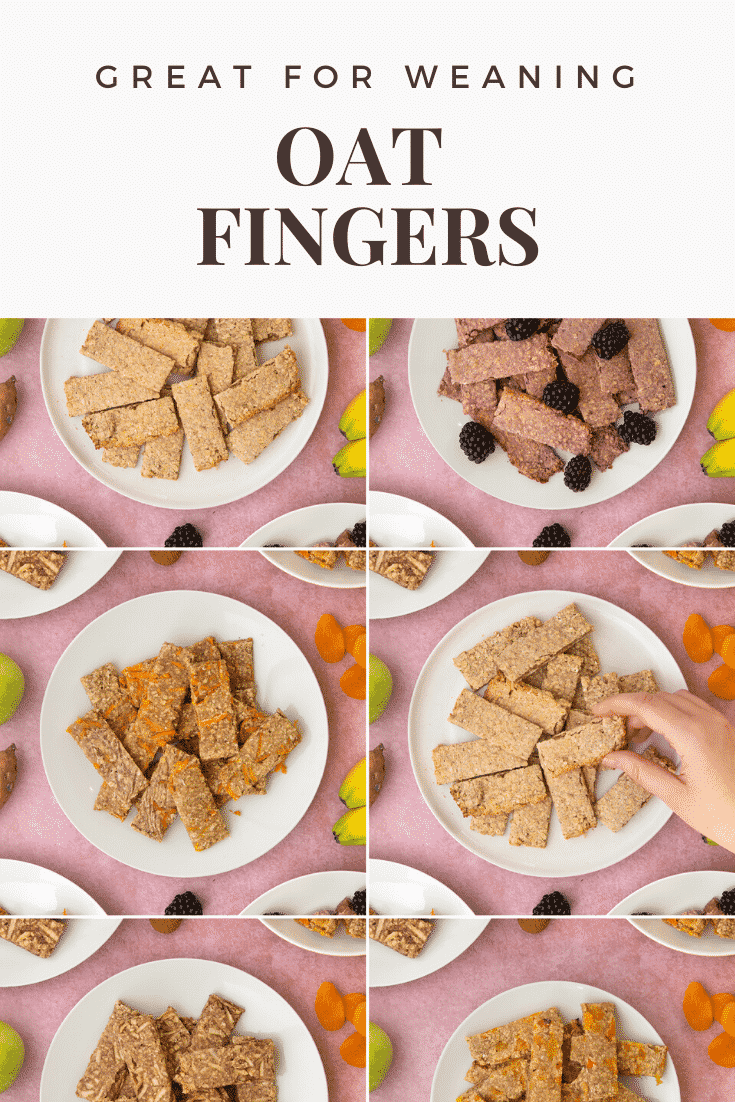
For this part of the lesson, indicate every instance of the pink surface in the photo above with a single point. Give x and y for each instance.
(403, 829)
(242, 943)
(420, 1017)
(34, 461)
(34, 828)
(402, 461)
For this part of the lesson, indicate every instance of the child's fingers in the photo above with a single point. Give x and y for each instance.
(652, 777)
(661, 712)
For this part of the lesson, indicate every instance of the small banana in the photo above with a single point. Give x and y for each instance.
(351, 829)
(721, 423)
(351, 460)
(719, 461)
(353, 790)
(353, 422)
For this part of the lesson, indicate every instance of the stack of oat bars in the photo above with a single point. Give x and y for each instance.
(155, 1059)
(537, 743)
(501, 369)
(543, 1058)
(181, 734)
(198, 379)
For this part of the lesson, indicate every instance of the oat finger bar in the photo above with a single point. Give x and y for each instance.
(500, 793)
(140, 1045)
(263, 389)
(127, 357)
(216, 363)
(160, 708)
(650, 365)
(635, 1058)
(225, 1065)
(535, 705)
(503, 1043)
(195, 804)
(538, 646)
(93, 393)
(38, 568)
(493, 826)
(271, 329)
(500, 359)
(597, 408)
(164, 335)
(643, 681)
(131, 425)
(107, 697)
(175, 1039)
(39, 936)
(479, 664)
(157, 807)
(106, 1069)
(545, 1065)
(575, 334)
(586, 745)
(525, 416)
(620, 803)
(596, 1051)
(216, 1023)
(572, 803)
(125, 458)
(407, 936)
(471, 329)
(200, 422)
(463, 760)
(529, 826)
(162, 456)
(214, 710)
(251, 437)
(499, 727)
(101, 746)
(405, 568)
(536, 461)
(561, 675)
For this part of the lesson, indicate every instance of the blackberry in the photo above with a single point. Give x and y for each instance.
(727, 902)
(553, 535)
(359, 902)
(519, 329)
(637, 428)
(642, 914)
(727, 534)
(553, 904)
(578, 473)
(561, 395)
(610, 340)
(359, 534)
(186, 535)
(273, 545)
(184, 904)
(476, 442)
(280, 914)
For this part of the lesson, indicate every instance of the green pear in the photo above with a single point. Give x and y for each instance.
(381, 1055)
(12, 1054)
(380, 687)
(11, 687)
(378, 330)
(10, 330)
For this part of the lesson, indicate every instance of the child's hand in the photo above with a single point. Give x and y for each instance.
(703, 794)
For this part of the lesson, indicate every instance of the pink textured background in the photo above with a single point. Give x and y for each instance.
(420, 1017)
(37, 1011)
(34, 828)
(403, 829)
(402, 461)
(34, 461)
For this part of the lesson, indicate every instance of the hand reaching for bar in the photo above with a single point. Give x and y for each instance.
(703, 793)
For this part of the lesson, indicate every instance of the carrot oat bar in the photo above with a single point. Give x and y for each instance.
(635, 1058)
(92, 393)
(105, 751)
(200, 422)
(39, 936)
(160, 707)
(195, 804)
(214, 710)
(262, 389)
(325, 927)
(463, 760)
(157, 807)
(586, 745)
(107, 696)
(325, 557)
(37, 568)
(131, 425)
(127, 357)
(499, 793)
(479, 664)
(545, 1065)
(162, 456)
(164, 335)
(238, 657)
(529, 826)
(489, 721)
(503, 1043)
(500, 359)
(507, 1081)
(134, 679)
(406, 568)
(596, 1051)
(248, 439)
(525, 416)
(407, 936)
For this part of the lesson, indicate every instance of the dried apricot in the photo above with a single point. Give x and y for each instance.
(722, 1051)
(727, 325)
(719, 1002)
(359, 1019)
(719, 633)
(330, 1010)
(721, 682)
(352, 682)
(697, 638)
(727, 1018)
(351, 633)
(329, 639)
(358, 325)
(697, 1007)
(359, 652)
(727, 650)
(352, 1001)
(352, 1050)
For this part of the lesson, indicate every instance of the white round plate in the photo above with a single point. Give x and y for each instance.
(303, 896)
(27, 521)
(449, 571)
(672, 528)
(448, 940)
(232, 480)
(454, 1062)
(399, 522)
(136, 630)
(442, 418)
(399, 890)
(80, 572)
(34, 892)
(303, 528)
(186, 984)
(624, 644)
(670, 897)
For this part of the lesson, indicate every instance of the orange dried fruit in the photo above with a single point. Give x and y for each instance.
(352, 633)
(719, 634)
(329, 1007)
(727, 1018)
(352, 1001)
(329, 639)
(352, 1050)
(358, 325)
(727, 325)
(721, 682)
(719, 1002)
(697, 638)
(359, 1019)
(721, 1051)
(697, 1007)
(353, 682)
(359, 652)
(727, 650)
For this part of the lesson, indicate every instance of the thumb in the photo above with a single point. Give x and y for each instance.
(653, 778)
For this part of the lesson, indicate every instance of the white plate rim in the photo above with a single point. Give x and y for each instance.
(135, 492)
(653, 558)
(342, 577)
(319, 737)
(709, 945)
(386, 968)
(381, 501)
(385, 603)
(540, 995)
(380, 868)
(12, 500)
(61, 592)
(342, 945)
(225, 975)
(561, 598)
(536, 495)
